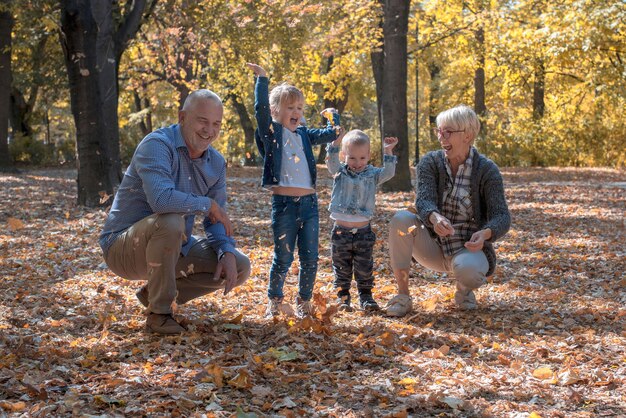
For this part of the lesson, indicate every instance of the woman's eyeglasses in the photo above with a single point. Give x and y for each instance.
(445, 133)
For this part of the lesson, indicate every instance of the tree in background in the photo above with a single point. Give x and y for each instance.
(390, 71)
(6, 27)
(93, 44)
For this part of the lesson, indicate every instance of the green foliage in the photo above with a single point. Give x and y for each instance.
(29, 150)
(187, 45)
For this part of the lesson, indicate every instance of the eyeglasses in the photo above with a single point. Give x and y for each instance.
(445, 133)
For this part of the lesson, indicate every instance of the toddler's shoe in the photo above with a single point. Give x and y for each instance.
(343, 300)
(304, 308)
(367, 302)
(273, 308)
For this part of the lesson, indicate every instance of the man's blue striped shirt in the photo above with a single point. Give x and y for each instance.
(163, 178)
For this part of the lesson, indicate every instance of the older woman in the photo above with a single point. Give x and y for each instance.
(460, 211)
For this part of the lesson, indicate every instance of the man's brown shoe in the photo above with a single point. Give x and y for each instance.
(142, 296)
(163, 324)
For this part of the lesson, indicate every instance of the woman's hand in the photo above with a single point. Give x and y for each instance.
(441, 224)
(257, 69)
(477, 241)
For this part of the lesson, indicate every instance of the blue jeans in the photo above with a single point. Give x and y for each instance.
(294, 220)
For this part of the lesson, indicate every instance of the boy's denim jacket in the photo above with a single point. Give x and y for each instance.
(269, 137)
(355, 193)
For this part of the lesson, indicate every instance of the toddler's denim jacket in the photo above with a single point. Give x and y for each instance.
(355, 193)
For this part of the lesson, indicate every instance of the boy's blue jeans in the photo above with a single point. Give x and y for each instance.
(295, 220)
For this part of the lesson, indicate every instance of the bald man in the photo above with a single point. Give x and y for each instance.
(175, 174)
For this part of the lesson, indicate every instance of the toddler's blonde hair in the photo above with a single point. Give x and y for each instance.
(354, 137)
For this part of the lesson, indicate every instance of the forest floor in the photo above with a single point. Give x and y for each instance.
(548, 339)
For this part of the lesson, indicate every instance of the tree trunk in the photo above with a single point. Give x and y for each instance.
(339, 104)
(434, 71)
(416, 158)
(93, 48)
(146, 122)
(6, 27)
(248, 129)
(539, 90)
(378, 63)
(479, 81)
(98, 172)
(393, 100)
(20, 114)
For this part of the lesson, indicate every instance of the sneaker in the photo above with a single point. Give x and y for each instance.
(304, 308)
(464, 297)
(273, 308)
(343, 301)
(163, 324)
(399, 305)
(368, 303)
(142, 295)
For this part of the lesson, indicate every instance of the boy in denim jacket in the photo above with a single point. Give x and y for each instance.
(352, 207)
(289, 172)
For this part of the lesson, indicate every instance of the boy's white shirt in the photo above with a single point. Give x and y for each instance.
(294, 171)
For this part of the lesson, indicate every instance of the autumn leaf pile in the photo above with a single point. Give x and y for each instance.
(548, 339)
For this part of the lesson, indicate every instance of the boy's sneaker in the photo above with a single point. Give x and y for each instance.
(273, 309)
(304, 308)
(343, 300)
(367, 302)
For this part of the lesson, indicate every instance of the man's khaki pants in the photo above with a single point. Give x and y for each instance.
(150, 250)
(409, 238)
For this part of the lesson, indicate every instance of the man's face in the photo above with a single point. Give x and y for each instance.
(200, 125)
(290, 114)
(356, 157)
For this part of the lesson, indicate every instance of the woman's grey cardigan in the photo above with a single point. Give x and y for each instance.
(487, 195)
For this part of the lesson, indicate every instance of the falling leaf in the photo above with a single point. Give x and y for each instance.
(569, 377)
(282, 355)
(104, 196)
(454, 403)
(430, 305)
(543, 373)
(241, 380)
(13, 406)
(15, 224)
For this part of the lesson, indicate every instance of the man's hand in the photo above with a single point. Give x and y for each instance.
(389, 143)
(477, 241)
(218, 215)
(442, 226)
(227, 270)
(257, 69)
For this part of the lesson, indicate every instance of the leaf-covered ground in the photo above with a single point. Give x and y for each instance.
(548, 340)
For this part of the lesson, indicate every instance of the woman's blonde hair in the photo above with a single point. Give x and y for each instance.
(459, 118)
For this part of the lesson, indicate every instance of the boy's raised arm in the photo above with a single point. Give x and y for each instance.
(257, 69)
